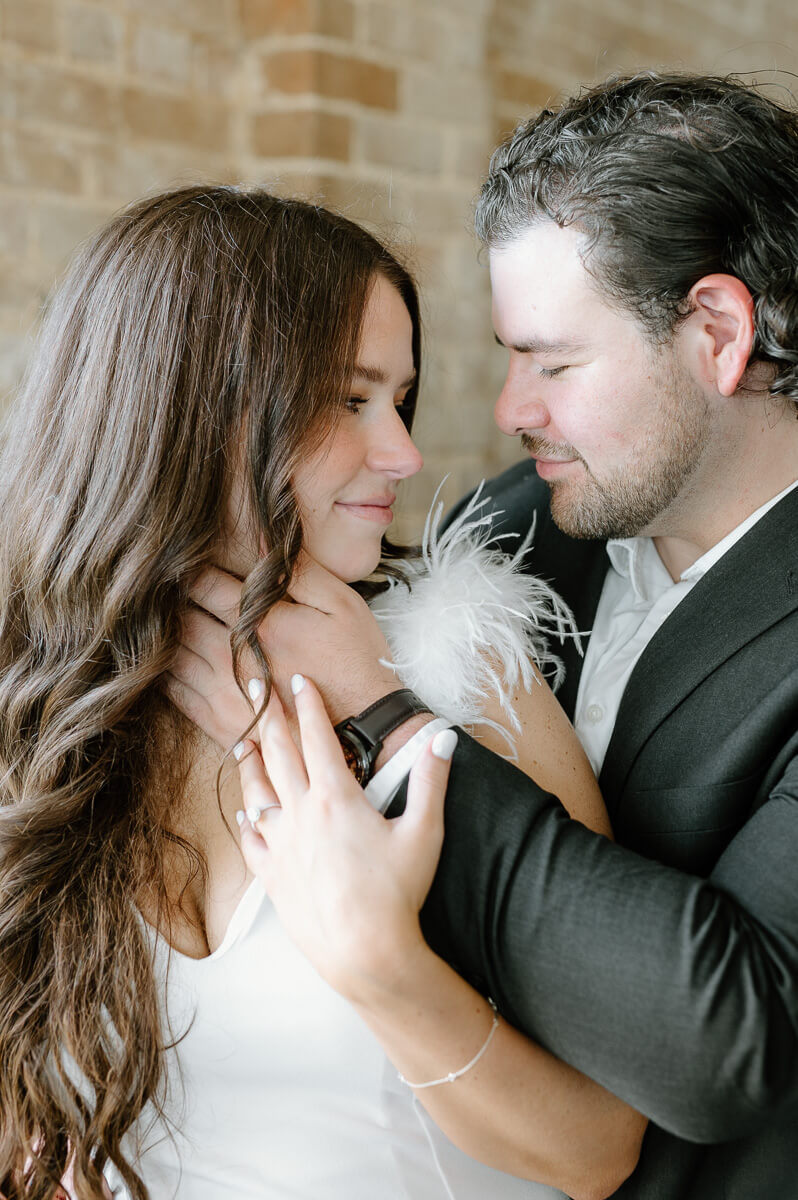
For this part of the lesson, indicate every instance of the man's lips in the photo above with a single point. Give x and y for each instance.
(371, 508)
(548, 468)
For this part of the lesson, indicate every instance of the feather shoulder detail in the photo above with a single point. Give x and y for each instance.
(468, 623)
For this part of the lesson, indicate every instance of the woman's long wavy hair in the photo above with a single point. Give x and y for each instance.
(192, 316)
(671, 177)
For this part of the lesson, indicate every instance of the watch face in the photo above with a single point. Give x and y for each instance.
(356, 760)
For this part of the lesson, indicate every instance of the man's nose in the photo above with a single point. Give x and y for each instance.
(517, 407)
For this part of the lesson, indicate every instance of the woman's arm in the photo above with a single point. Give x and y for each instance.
(519, 1109)
(548, 751)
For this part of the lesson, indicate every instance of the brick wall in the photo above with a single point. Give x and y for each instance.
(386, 109)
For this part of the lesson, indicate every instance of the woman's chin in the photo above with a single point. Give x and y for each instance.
(350, 568)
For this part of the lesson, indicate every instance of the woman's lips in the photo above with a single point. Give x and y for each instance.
(381, 512)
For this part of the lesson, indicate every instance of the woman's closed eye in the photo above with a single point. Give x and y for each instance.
(551, 372)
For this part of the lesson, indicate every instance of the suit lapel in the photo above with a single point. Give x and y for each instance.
(752, 587)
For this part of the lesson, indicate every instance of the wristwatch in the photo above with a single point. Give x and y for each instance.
(361, 737)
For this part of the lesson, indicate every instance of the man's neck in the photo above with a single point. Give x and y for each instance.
(751, 467)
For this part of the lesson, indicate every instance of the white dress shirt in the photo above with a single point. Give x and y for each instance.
(637, 597)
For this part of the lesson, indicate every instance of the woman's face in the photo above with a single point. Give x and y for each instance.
(347, 487)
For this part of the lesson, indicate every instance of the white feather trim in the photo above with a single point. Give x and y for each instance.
(470, 623)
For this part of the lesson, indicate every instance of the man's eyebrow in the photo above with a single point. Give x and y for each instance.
(542, 346)
(377, 375)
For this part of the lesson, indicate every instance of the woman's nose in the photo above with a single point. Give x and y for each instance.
(393, 451)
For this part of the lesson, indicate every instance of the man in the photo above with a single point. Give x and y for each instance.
(643, 242)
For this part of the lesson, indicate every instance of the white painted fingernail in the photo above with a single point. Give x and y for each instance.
(253, 815)
(297, 683)
(238, 749)
(255, 689)
(241, 816)
(443, 744)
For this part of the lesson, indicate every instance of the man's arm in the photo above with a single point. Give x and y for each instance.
(678, 994)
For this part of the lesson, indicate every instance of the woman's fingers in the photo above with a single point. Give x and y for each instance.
(281, 757)
(255, 850)
(324, 758)
(426, 788)
(257, 793)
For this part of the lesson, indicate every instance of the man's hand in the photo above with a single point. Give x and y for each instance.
(326, 631)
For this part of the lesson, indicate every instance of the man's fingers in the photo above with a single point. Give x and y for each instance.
(193, 670)
(206, 637)
(187, 699)
(314, 585)
(322, 751)
(218, 593)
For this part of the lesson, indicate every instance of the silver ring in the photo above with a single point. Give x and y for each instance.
(255, 814)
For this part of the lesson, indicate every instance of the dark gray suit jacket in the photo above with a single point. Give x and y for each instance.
(664, 965)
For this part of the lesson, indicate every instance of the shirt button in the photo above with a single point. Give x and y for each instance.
(594, 713)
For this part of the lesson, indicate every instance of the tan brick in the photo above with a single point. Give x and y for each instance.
(305, 133)
(262, 18)
(93, 34)
(36, 160)
(388, 142)
(265, 18)
(218, 16)
(471, 157)
(165, 118)
(359, 199)
(42, 92)
(13, 228)
(334, 76)
(526, 91)
(31, 23)
(59, 229)
(14, 351)
(444, 96)
(216, 66)
(434, 210)
(162, 53)
(122, 171)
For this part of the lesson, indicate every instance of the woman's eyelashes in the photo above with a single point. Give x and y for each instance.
(353, 404)
(550, 372)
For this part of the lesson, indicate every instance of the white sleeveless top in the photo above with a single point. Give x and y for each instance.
(280, 1092)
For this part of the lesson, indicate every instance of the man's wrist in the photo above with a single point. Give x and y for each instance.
(399, 736)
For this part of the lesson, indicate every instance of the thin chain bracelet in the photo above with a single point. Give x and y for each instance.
(450, 1078)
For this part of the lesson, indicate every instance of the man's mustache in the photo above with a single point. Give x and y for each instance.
(540, 447)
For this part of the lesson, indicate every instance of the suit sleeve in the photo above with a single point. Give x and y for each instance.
(677, 993)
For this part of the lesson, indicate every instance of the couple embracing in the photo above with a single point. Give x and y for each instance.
(580, 967)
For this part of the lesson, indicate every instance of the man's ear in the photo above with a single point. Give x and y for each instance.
(722, 323)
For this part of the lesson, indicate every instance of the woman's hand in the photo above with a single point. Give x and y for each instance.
(346, 883)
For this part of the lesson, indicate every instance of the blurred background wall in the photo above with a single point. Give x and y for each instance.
(384, 109)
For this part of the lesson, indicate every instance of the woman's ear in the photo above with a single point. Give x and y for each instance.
(722, 322)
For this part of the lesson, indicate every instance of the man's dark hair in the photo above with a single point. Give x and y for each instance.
(671, 177)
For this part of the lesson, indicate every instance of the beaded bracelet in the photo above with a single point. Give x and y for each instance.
(450, 1078)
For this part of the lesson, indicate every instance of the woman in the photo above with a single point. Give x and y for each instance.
(223, 378)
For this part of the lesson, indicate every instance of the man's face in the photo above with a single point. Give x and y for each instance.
(619, 428)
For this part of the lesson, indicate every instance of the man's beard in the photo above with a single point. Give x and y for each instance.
(628, 499)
